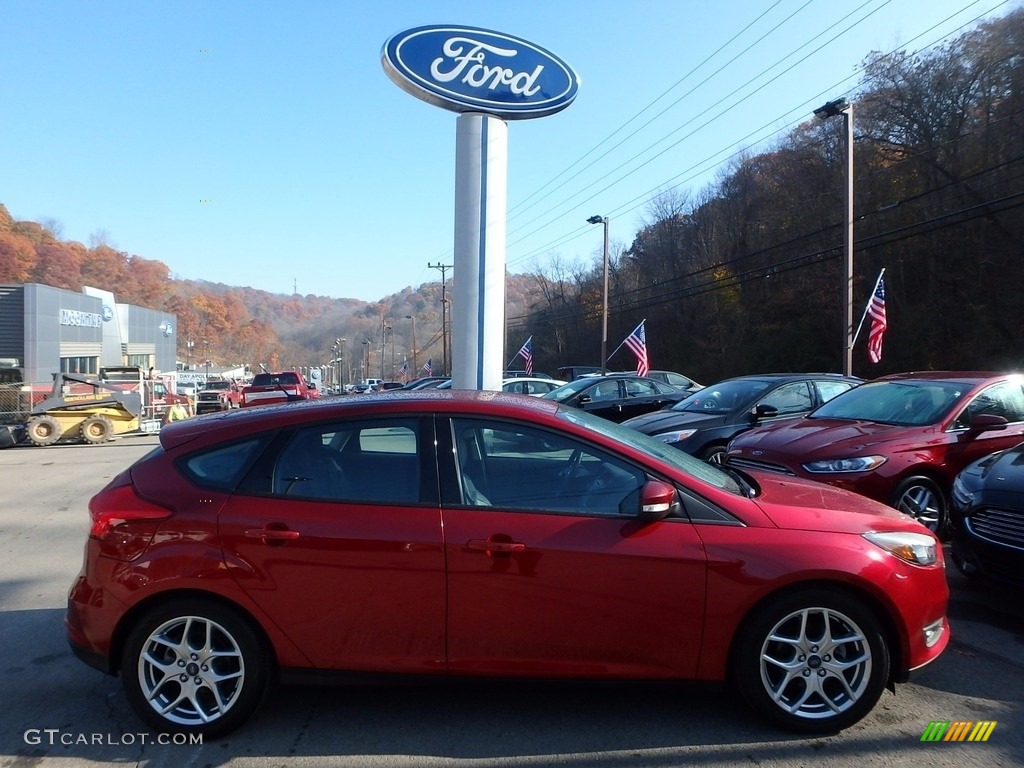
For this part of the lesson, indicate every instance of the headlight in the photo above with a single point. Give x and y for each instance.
(961, 496)
(855, 464)
(914, 548)
(674, 437)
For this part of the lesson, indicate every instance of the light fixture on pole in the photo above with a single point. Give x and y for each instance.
(834, 109)
(604, 302)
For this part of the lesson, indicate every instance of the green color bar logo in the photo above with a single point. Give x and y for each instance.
(958, 730)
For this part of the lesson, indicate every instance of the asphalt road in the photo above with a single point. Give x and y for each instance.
(58, 712)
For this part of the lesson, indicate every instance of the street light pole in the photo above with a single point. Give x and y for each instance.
(415, 368)
(366, 349)
(604, 303)
(832, 109)
(341, 365)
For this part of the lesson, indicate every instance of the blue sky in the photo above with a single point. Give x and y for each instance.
(261, 144)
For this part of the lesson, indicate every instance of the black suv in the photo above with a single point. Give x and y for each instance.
(705, 422)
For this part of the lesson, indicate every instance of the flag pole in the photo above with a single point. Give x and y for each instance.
(605, 361)
(867, 306)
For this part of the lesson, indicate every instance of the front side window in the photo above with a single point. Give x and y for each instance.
(511, 466)
(1004, 399)
(789, 399)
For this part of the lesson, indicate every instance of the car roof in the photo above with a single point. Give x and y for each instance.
(269, 417)
(959, 377)
(789, 376)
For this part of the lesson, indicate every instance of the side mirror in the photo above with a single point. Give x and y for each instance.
(583, 399)
(987, 422)
(657, 501)
(762, 411)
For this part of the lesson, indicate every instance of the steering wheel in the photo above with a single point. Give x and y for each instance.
(571, 469)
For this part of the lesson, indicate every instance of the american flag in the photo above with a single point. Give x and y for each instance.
(637, 342)
(526, 352)
(876, 308)
(404, 370)
(428, 367)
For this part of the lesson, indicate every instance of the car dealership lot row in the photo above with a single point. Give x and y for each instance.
(43, 523)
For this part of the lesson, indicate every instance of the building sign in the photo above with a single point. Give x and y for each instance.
(81, 319)
(466, 69)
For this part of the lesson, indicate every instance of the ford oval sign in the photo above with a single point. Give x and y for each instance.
(466, 69)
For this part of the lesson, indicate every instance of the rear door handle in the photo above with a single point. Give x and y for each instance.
(495, 547)
(272, 535)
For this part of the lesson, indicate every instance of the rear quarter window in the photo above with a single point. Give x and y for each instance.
(224, 466)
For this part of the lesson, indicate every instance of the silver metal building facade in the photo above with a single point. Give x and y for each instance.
(46, 330)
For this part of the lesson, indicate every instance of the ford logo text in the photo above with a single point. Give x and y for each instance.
(466, 69)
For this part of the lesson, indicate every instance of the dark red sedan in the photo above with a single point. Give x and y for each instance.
(900, 439)
(475, 534)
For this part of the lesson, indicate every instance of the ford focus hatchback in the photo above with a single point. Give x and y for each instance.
(479, 534)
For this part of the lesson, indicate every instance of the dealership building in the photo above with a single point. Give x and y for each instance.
(46, 330)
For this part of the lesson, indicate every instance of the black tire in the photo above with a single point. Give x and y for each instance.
(43, 430)
(847, 675)
(714, 454)
(240, 668)
(922, 499)
(97, 429)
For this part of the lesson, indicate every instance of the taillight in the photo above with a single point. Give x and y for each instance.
(123, 523)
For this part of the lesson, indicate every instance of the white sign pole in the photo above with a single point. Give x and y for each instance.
(478, 301)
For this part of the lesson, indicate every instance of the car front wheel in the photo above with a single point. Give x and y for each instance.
(814, 661)
(924, 501)
(194, 667)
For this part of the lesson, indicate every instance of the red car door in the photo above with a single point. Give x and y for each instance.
(550, 573)
(342, 556)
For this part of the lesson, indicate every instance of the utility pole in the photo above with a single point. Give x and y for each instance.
(444, 313)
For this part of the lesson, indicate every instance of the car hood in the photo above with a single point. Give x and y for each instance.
(810, 438)
(666, 420)
(1002, 473)
(805, 505)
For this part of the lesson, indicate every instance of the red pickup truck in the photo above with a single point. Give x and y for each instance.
(273, 388)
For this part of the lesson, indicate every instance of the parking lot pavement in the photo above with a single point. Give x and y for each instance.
(986, 617)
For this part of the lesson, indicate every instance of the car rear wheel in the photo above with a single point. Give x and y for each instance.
(195, 667)
(813, 661)
(924, 501)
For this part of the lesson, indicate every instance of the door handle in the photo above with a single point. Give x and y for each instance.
(272, 535)
(495, 547)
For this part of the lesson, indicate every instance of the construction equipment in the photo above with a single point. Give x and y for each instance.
(81, 408)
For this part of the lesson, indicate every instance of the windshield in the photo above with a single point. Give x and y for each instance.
(218, 385)
(901, 403)
(681, 460)
(722, 398)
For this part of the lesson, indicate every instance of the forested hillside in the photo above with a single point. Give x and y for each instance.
(747, 274)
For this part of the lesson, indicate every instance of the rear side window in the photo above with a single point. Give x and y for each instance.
(224, 466)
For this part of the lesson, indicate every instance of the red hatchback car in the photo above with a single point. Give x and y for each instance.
(900, 439)
(487, 535)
